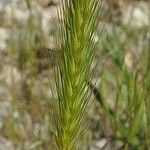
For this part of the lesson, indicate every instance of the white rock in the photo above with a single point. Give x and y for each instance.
(16, 114)
(47, 17)
(4, 94)
(137, 14)
(99, 144)
(129, 60)
(13, 13)
(4, 109)
(1, 124)
(3, 3)
(4, 36)
(45, 3)
(10, 75)
(5, 144)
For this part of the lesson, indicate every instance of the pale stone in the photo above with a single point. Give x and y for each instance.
(137, 14)
(5, 144)
(46, 3)
(12, 13)
(4, 109)
(48, 15)
(4, 36)
(128, 60)
(10, 75)
(3, 3)
(99, 144)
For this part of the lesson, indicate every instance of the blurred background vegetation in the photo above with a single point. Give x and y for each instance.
(120, 104)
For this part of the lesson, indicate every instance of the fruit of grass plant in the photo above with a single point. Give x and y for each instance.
(79, 24)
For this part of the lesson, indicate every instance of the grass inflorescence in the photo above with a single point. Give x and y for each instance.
(79, 23)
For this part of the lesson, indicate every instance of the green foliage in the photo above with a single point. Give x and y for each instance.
(130, 86)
